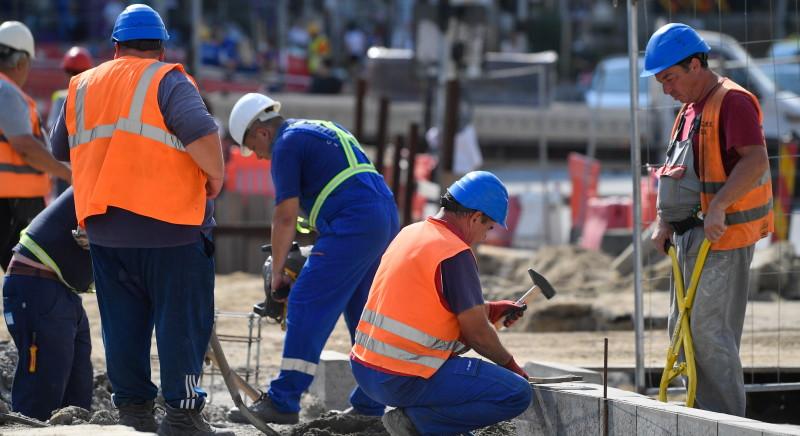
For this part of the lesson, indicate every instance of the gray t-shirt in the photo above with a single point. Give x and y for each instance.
(16, 119)
(186, 116)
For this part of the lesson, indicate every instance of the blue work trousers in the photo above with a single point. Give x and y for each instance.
(171, 289)
(45, 313)
(335, 280)
(463, 394)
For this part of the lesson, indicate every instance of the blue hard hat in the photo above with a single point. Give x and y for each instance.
(669, 45)
(139, 21)
(483, 191)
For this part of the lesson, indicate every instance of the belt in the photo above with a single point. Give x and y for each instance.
(20, 269)
(686, 224)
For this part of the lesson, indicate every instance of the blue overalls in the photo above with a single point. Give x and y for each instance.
(355, 224)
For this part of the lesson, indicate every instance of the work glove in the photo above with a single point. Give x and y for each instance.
(513, 367)
(505, 308)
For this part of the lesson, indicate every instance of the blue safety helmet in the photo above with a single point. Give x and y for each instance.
(671, 44)
(482, 191)
(139, 21)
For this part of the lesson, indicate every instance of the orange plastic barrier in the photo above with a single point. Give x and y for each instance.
(584, 173)
(248, 175)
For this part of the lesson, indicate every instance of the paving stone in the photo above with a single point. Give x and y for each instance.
(549, 369)
(621, 418)
(656, 421)
(333, 381)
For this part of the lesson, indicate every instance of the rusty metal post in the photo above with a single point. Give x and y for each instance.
(398, 148)
(451, 106)
(361, 92)
(411, 186)
(383, 133)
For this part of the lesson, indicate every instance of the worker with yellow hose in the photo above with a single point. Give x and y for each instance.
(715, 185)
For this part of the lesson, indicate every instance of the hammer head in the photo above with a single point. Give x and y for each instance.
(542, 283)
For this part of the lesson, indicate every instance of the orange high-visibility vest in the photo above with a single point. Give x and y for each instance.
(404, 327)
(122, 153)
(17, 178)
(749, 218)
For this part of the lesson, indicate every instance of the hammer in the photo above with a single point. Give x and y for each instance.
(540, 285)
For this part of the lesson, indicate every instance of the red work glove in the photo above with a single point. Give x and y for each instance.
(505, 308)
(513, 367)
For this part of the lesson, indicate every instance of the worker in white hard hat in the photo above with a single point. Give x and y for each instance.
(319, 167)
(25, 161)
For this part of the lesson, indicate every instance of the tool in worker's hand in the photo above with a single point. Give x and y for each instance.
(271, 307)
(682, 335)
(235, 384)
(540, 285)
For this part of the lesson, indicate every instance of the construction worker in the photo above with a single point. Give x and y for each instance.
(45, 315)
(75, 61)
(24, 155)
(320, 167)
(715, 184)
(426, 301)
(147, 158)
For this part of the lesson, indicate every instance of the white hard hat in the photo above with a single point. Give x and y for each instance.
(249, 108)
(17, 36)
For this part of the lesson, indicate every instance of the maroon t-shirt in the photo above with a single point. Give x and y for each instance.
(738, 127)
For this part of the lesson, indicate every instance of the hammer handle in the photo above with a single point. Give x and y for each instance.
(524, 299)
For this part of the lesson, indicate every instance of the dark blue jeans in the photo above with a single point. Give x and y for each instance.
(171, 289)
(464, 394)
(45, 312)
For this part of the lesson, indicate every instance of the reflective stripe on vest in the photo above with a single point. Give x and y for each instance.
(387, 350)
(348, 141)
(750, 217)
(42, 256)
(132, 124)
(17, 178)
(407, 332)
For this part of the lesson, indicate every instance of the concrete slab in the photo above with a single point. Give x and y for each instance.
(334, 380)
(550, 369)
(78, 430)
(693, 426)
(621, 418)
(732, 429)
(656, 421)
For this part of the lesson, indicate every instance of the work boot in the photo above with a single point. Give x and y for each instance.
(187, 422)
(264, 409)
(138, 416)
(397, 423)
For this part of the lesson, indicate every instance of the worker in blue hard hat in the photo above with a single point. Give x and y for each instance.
(714, 184)
(425, 306)
(148, 160)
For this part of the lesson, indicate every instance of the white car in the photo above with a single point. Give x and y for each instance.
(611, 85)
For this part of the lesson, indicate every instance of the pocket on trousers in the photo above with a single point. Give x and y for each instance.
(467, 366)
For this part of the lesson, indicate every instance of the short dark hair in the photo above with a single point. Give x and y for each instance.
(702, 57)
(143, 44)
(450, 204)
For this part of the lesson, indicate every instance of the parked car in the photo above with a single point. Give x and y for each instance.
(781, 106)
(610, 87)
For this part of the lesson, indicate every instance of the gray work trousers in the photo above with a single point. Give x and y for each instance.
(716, 321)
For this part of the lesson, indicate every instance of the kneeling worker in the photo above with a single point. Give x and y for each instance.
(425, 301)
(45, 315)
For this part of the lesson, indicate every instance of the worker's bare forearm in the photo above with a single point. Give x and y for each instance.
(35, 154)
(207, 154)
(744, 176)
(478, 334)
(284, 220)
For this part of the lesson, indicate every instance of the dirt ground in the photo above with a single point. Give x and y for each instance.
(593, 303)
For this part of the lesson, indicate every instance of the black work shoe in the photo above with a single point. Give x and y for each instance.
(397, 423)
(264, 409)
(187, 422)
(138, 416)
